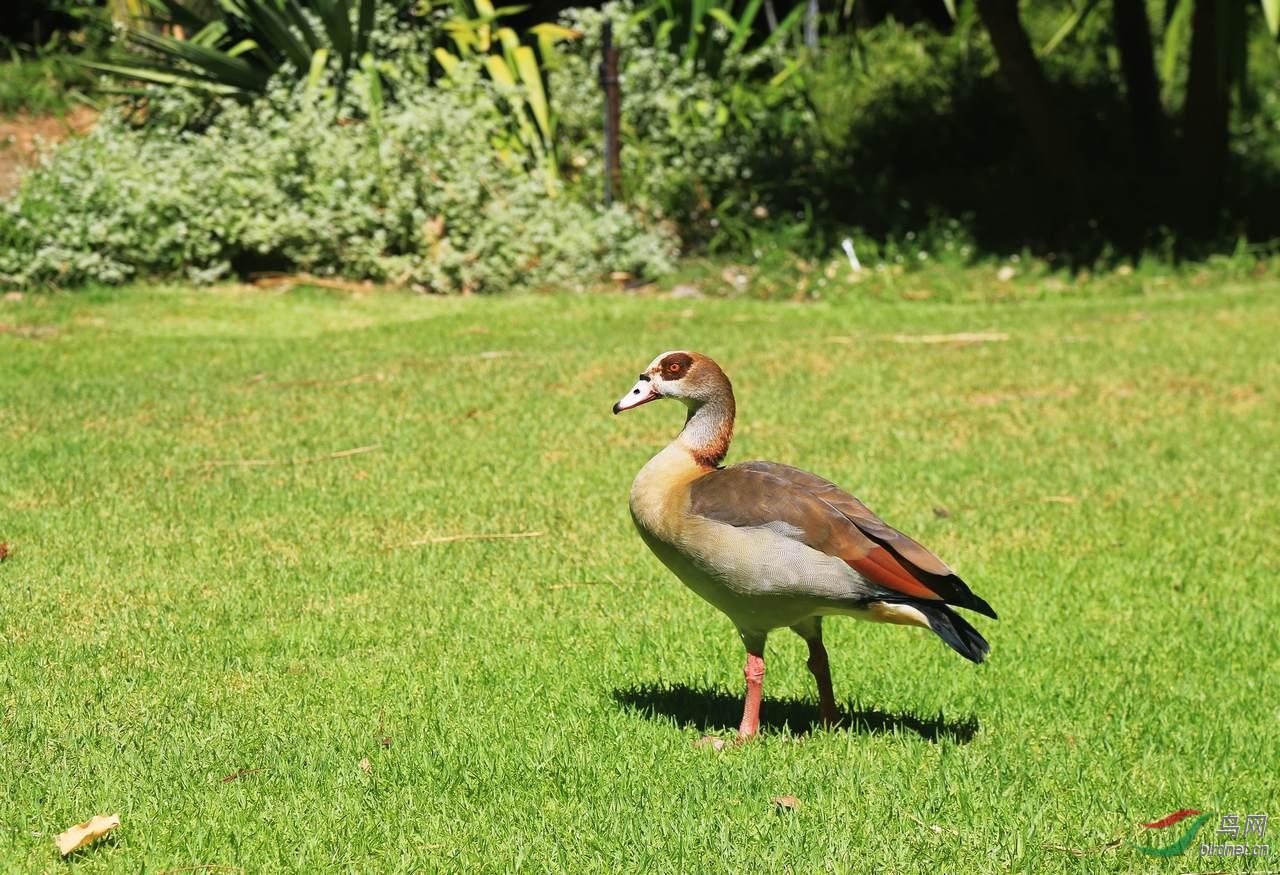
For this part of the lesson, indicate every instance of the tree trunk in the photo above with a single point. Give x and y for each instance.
(1205, 117)
(1053, 138)
(1142, 87)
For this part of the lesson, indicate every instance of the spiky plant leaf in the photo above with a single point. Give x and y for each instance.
(336, 16)
(319, 60)
(447, 60)
(364, 26)
(499, 72)
(243, 43)
(1177, 36)
(531, 76)
(743, 27)
(1271, 11)
(548, 37)
(507, 37)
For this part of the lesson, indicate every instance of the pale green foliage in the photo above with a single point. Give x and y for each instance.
(415, 195)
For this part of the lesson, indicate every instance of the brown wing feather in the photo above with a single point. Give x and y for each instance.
(833, 521)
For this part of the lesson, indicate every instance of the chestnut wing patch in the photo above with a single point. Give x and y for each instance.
(827, 518)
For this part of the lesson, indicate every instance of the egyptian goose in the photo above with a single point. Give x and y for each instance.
(771, 545)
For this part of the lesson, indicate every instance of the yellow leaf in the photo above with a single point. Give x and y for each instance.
(508, 38)
(447, 61)
(499, 72)
(550, 34)
(82, 834)
(527, 65)
(554, 31)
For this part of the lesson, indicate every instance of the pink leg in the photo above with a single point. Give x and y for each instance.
(754, 672)
(822, 674)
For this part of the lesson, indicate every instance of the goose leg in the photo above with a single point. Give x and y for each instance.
(754, 673)
(811, 632)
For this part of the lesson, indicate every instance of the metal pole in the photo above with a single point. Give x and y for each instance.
(770, 15)
(612, 117)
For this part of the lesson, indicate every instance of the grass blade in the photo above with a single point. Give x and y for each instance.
(744, 27)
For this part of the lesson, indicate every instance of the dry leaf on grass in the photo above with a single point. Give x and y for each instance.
(251, 463)
(287, 281)
(478, 536)
(366, 766)
(1084, 852)
(933, 827)
(236, 776)
(81, 834)
(30, 332)
(346, 381)
(786, 803)
(569, 584)
(4, 552)
(961, 337)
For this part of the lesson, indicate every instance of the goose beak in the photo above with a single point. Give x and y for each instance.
(641, 393)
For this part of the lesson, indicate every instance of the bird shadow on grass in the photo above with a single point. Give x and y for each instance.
(713, 710)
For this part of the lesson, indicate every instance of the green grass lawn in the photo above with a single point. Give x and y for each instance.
(212, 612)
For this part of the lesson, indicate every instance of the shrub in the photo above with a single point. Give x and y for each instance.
(693, 145)
(413, 194)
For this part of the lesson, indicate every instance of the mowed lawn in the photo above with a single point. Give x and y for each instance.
(227, 613)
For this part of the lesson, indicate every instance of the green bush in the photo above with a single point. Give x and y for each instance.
(414, 194)
(693, 145)
(423, 189)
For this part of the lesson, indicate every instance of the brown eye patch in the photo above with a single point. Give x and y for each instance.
(676, 365)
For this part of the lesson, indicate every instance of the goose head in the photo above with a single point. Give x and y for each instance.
(688, 376)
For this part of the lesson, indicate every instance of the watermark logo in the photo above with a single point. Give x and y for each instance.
(1235, 826)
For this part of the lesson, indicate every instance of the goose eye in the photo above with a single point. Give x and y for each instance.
(673, 368)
